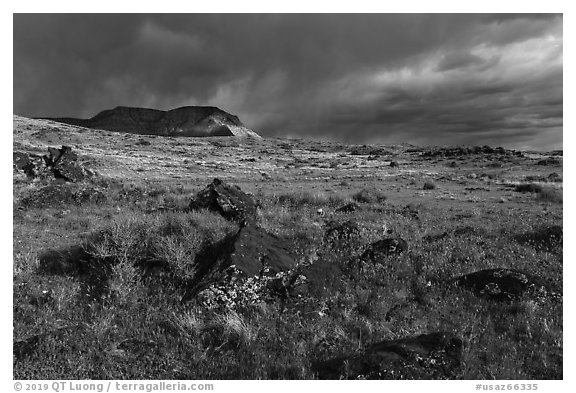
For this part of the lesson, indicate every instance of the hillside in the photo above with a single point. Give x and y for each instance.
(188, 121)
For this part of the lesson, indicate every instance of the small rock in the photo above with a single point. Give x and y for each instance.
(348, 208)
(23, 348)
(383, 248)
(554, 177)
(345, 231)
(435, 237)
(143, 142)
(410, 211)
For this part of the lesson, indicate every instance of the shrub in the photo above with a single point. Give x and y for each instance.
(528, 187)
(429, 185)
(156, 192)
(550, 194)
(369, 195)
(171, 239)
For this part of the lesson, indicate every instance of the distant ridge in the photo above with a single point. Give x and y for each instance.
(187, 121)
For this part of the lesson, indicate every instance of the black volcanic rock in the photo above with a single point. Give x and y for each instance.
(428, 356)
(59, 163)
(383, 248)
(459, 151)
(23, 163)
(250, 252)
(501, 284)
(64, 165)
(191, 121)
(58, 195)
(228, 200)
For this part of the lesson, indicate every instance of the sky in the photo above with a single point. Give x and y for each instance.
(424, 79)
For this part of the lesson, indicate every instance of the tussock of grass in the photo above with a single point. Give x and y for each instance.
(544, 193)
(369, 195)
(550, 194)
(314, 199)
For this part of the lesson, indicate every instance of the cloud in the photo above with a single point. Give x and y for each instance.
(459, 60)
(454, 78)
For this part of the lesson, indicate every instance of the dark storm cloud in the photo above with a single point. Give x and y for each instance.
(415, 78)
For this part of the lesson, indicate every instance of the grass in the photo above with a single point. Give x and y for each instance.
(306, 198)
(141, 330)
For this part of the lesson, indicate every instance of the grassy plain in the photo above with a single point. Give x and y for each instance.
(458, 215)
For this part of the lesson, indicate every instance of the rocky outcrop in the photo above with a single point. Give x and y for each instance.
(228, 200)
(501, 284)
(188, 121)
(63, 163)
(59, 163)
(58, 195)
(428, 356)
(550, 161)
(23, 162)
(459, 151)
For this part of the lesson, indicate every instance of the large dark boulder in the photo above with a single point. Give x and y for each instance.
(66, 261)
(501, 284)
(428, 356)
(228, 200)
(256, 249)
(250, 252)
